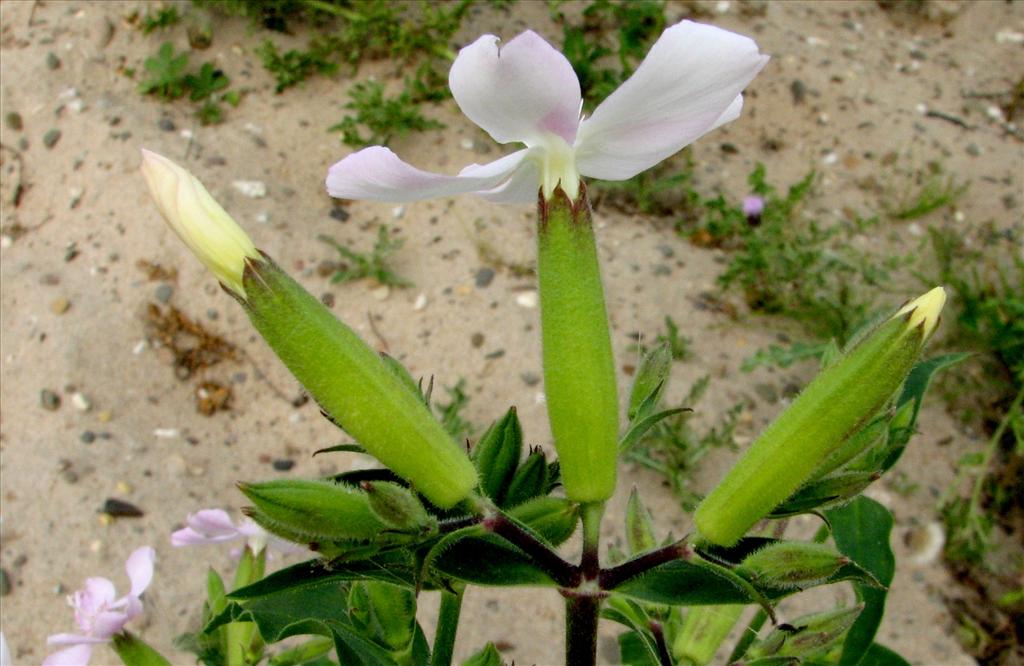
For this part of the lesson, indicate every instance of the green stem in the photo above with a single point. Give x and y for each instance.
(993, 446)
(581, 613)
(238, 636)
(748, 636)
(447, 627)
(591, 516)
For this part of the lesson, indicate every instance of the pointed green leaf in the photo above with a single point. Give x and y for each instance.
(497, 454)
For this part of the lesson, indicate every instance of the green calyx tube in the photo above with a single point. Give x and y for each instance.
(833, 407)
(355, 386)
(579, 370)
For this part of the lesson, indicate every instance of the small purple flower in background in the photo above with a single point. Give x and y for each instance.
(99, 614)
(215, 526)
(526, 92)
(753, 206)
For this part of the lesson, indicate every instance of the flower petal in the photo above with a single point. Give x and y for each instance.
(77, 655)
(687, 85)
(94, 595)
(521, 187)
(517, 91)
(377, 174)
(73, 639)
(140, 569)
(206, 526)
(108, 623)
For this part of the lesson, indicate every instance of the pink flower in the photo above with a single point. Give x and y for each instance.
(99, 614)
(526, 92)
(215, 526)
(753, 206)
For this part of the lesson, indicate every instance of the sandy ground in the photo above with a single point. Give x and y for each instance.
(74, 300)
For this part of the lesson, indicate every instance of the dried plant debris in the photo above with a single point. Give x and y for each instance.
(156, 272)
(213, 397)
(193, 349)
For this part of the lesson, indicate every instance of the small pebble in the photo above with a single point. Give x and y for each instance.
(166, 124)
(75, 197)
(484, 277)
(339, 213)
(87, 437)
(51, 138)
(798, 90)
(13, 120)
(327, 298)
(382, 292)
(52, 61)
(420, 302)
(477, 340)
(123, 487)
(164, 292)
(60, 305)
(398, 212)
(973, 150)
(530, 378)
(49, 400)
(254, 189)
(81, 401)
(166, 433)
(527, 299)
(105, 416)
(283, 464)
(121, 509)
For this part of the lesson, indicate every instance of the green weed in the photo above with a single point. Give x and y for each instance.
(169, 80)
(159, 19)
(450, 414)
(936, 191)
(384, 117)
(674, 448)
(357, 265)
(293, 66)
(797, 268)
(677, 344)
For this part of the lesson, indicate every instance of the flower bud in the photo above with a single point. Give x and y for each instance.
(497, 454)
(651, 379)
(836, 404)
(552, 518)
(703, 631)
(835, 489)
(579, 370)
(532, 478)
(639, 525)
(397, 506)
(315, 509)
(807, 634)
(791, 564)
(199, 220)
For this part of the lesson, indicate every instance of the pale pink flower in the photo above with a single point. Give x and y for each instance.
(753, 206)
(215, 526)
(99, 614)
(526, 92)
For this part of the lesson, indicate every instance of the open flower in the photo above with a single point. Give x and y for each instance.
(215, 526)
(99, 614)
(526, 92)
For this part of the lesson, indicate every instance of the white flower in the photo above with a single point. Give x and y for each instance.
(99, 614)
(199, 220)
(525, 91)
(215, 526)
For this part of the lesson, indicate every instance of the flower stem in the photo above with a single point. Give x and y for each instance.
(447, 627)
(664, 658)
(581, 613)
(591, 515)
(563, 573)
(615, 576)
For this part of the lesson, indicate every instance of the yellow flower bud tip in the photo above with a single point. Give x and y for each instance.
(924, 311)
(207, 230)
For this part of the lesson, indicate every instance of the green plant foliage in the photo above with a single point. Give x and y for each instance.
(795, 267)
(357, 265)
(936, 191)
(382, 116)
(167, 73)
(159, 19)
(294, 66)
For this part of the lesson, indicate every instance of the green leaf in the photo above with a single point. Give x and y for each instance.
(348, 448)
(488, 656)
(879, 655)
(651, 379)
(485, 560)
(396, 567)
(634, 650)
(680, 583)
(530, 480)
(639, 428)
(496, 455)
(913, 392)
(861, 531)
